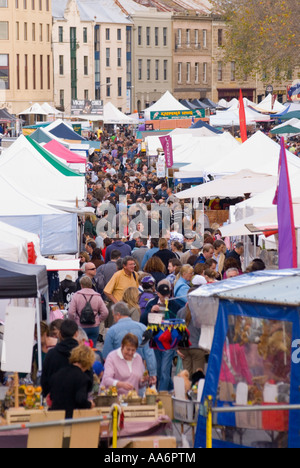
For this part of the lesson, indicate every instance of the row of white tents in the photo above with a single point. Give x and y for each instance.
(40, 199)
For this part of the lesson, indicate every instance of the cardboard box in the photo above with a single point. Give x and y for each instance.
(158, 442)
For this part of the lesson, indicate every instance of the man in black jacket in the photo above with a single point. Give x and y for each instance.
(58, 357)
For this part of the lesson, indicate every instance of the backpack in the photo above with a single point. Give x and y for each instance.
(87, 316)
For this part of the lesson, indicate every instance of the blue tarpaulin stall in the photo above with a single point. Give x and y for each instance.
(254, 358)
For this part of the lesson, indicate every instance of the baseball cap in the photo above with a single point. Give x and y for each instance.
(148, 280)
(164, 290)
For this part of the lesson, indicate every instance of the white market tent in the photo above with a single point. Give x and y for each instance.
(35, 109)
(50, 110)
(291, 126)
(259, 154)
(270, 106)
(166, 103)
(231, 186)
(231, 117)
(198, 153)
(264, 220)
(57, 230)
(29, 170)
(112, 115)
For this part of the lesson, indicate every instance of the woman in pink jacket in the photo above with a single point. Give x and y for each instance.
(124, 367)
(78, 310)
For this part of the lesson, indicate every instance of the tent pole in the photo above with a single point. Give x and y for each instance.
(39, 338)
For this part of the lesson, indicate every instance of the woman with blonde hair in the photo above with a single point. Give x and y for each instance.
(70, 387)
(131, 297)
(183, 284)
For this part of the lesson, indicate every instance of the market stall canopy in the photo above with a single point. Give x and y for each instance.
(61, 130)
(35, 109)
(50, 109)
(112, 115)
(5, 116)
(166, 103)
(271, 287)
(202, 124)
(231, 117)
(262, 221)
(73, 160)
(270, 105)
(233, 186)
(290, 127)
(18, 281)
(198, 153)
(34, 170)
(259, 151)
(291, 115)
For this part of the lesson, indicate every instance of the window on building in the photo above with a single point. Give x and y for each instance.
(196, 72)
(119, 34)
(220, 71)
(4, 30)
(179, 72)
(188, 38)
(108, 57)
(232, 71)
(140, 69)
(197, 42)
(25, 32)
(34, 71)
(33, 4)
(119, 87)
(156, 70)
(18, 72)
(156, 36)
(148, 36)
(165, 36)
(119, 58)
(165, 70)
(26, 70)
(33, 32)
(140, 35)
(108, 86)
(188, 72)
(48, 72)
(41, 72)
(148, 70)
(179, 37)
(48, 33)
(107, 34)
(4, 71)
(17, 31)
(204, 37)
(86, 94)
(3, 3)
(60, 34)
(85, 65)
(204, 72)
(85, 35)
(62, 98)
(40, 5)
(25, 4)
(41, 32)
(220, 37)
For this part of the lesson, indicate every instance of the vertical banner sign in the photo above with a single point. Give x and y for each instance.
(287, 249)
(166, 142)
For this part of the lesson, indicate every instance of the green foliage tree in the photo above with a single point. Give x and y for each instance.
(263, 36)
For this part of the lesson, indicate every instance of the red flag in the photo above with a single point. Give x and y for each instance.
(242, 115)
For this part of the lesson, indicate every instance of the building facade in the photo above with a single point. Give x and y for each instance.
(192, 67)
(90, 52)
(26, 71)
